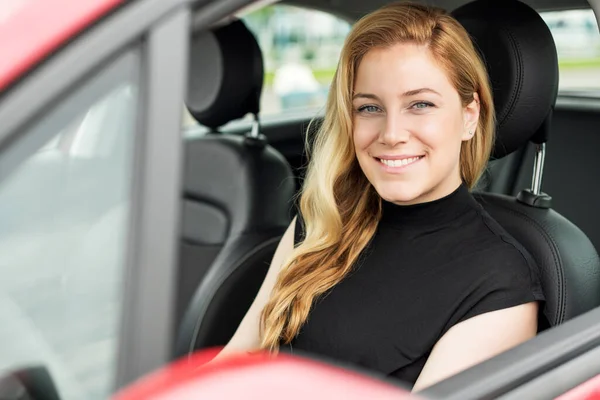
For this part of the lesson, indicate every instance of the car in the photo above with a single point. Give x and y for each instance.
(122, 226)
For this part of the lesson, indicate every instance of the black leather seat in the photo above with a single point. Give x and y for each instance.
(521, 58)
(237, 192)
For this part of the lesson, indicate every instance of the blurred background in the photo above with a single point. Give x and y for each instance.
(301, 49)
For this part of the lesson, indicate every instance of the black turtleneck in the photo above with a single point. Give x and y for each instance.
(428, 267)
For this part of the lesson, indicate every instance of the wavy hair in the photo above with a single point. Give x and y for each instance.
(340, 208)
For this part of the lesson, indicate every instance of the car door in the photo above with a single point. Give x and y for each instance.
(89, 191)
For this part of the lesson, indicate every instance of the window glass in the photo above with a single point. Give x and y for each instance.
(577, 41)
(64, 204)
(300, 50)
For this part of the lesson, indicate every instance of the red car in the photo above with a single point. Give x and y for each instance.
(131, 242)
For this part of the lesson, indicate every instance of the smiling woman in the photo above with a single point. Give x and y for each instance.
(391, 264)
(407, 171)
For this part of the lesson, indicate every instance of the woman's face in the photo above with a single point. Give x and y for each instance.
(409, 124)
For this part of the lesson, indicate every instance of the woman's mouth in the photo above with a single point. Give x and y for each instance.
(399, 163)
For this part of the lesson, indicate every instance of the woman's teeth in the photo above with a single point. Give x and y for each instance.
(399, 163)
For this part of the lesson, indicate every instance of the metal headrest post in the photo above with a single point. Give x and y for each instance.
(255, 131)
(254, 137)
(534, 196)
(538, 168)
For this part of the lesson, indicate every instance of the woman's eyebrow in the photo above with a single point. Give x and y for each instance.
(415, 92)
(408, 93)
(365, 96)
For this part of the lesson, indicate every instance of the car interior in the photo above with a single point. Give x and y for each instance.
(108, 288)
(537, 185)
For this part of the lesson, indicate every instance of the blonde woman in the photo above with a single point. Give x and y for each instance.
(391, 264)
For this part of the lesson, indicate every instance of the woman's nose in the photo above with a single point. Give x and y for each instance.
(395, 130)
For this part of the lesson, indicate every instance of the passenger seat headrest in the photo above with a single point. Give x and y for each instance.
(226, 75)
(520, 54)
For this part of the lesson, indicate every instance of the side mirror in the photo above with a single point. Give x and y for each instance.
(32, 383)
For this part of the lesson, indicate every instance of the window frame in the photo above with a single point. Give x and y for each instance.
(159, 30)
(122, 69)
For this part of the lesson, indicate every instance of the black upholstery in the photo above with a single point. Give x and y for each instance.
(237, 193)
(521, 57)
(569, 262)
(231, 57)
(572, 167)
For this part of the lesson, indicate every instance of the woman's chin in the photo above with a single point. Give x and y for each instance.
(402, 196)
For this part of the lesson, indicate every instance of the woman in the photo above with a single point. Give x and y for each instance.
(391, 264)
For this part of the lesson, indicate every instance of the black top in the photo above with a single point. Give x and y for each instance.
(428, 267)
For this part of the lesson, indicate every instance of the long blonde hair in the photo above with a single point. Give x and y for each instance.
(340, 208)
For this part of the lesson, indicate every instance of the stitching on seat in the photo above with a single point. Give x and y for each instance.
(550, 241)
(221, 279)
(516, 94)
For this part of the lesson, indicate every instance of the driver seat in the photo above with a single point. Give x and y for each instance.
(521, 58)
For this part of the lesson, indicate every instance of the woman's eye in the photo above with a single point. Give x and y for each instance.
(421, 105)
(368, 109)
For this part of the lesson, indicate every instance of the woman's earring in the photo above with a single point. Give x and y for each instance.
(470, 133)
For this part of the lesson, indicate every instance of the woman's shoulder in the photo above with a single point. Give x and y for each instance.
(507, 263)
(500, 271)
(503, 250)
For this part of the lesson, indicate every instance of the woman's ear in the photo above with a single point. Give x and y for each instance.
(471, 118)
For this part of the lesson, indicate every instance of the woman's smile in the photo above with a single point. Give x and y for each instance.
(398, 164)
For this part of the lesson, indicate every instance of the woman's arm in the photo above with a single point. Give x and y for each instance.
(477, 339)
(246, 337)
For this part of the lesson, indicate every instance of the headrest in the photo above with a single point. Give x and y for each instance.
(226, 75)
(520, 54)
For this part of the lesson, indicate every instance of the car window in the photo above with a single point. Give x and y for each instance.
(300, 50)
(64, 211)
(577, 41)
(301, 47)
